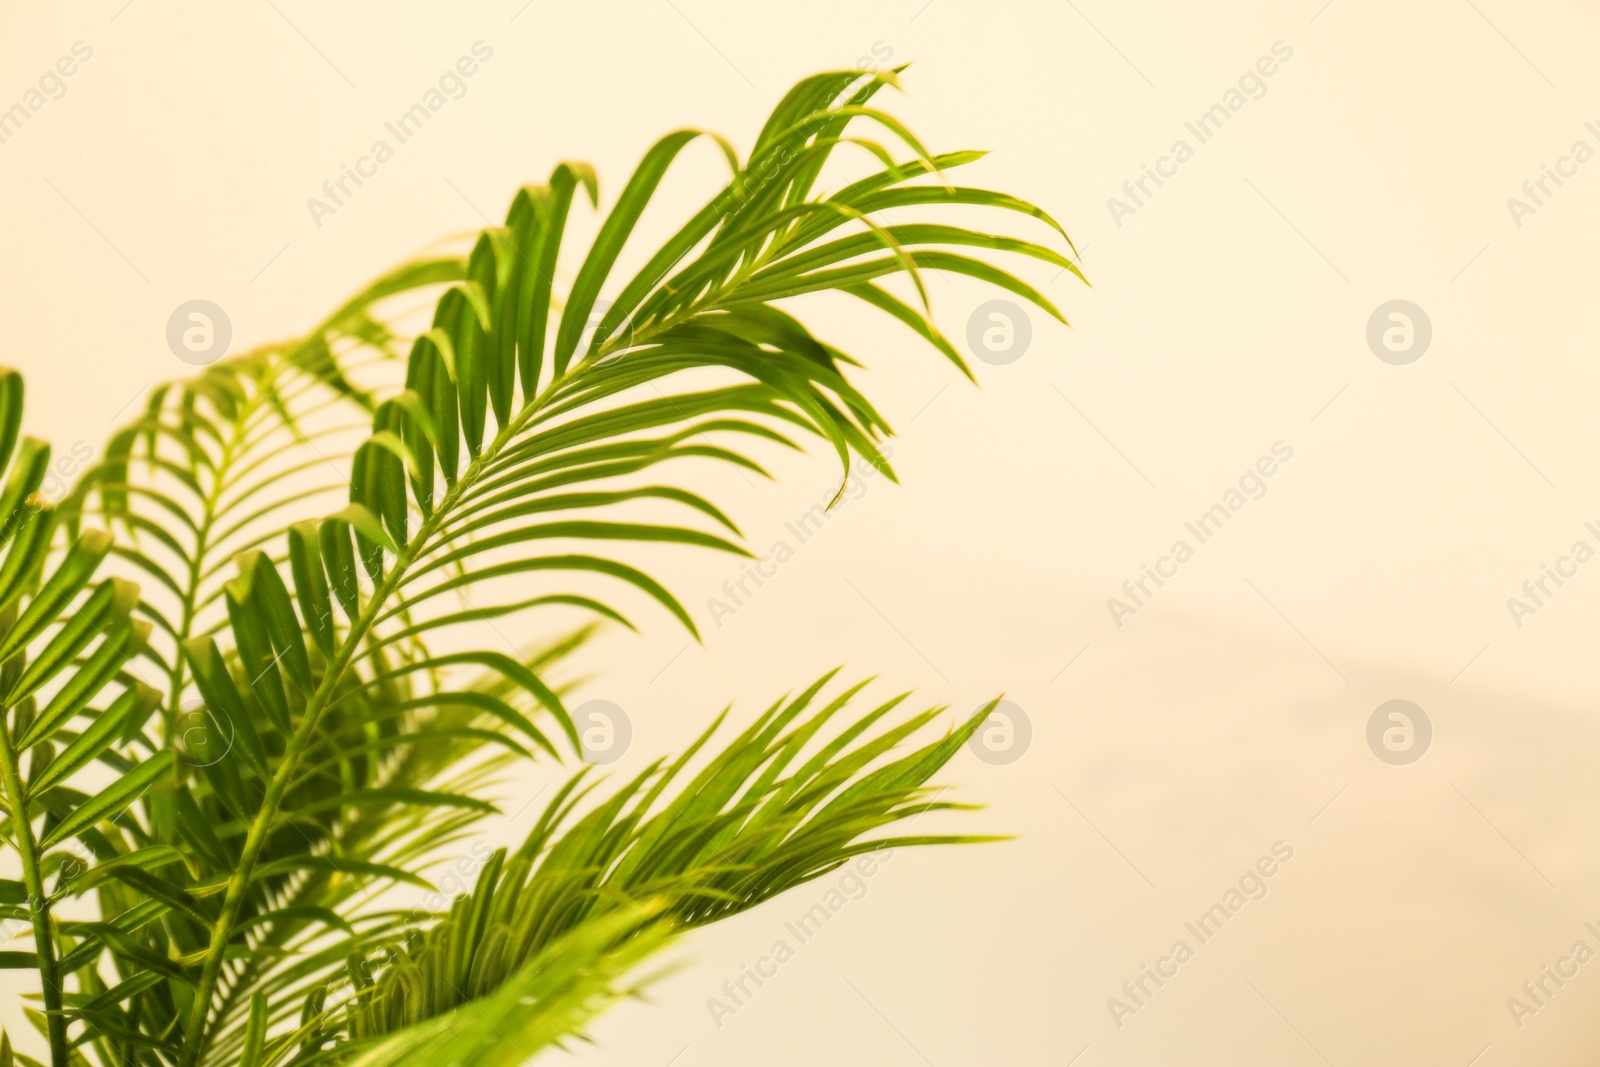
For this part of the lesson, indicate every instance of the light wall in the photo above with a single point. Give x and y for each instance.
(1229, 313)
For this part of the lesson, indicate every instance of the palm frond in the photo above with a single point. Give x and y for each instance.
(63, 645)
(569, 413)
(543, 1004)
(327, 721)
(783, 803)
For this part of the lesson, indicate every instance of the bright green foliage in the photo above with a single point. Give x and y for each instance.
(290, 713)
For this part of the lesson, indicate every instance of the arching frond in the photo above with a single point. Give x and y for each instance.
(323, 527)
(787, 800)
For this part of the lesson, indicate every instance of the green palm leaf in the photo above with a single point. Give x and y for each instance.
(318, 524)
(754, 822)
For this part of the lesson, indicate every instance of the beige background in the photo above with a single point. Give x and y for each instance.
(1228, 313)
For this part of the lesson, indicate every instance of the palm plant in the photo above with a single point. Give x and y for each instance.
(211, 776)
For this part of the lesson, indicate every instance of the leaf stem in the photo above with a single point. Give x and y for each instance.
(44, 946)
(195, 1036)
(195, 1029)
